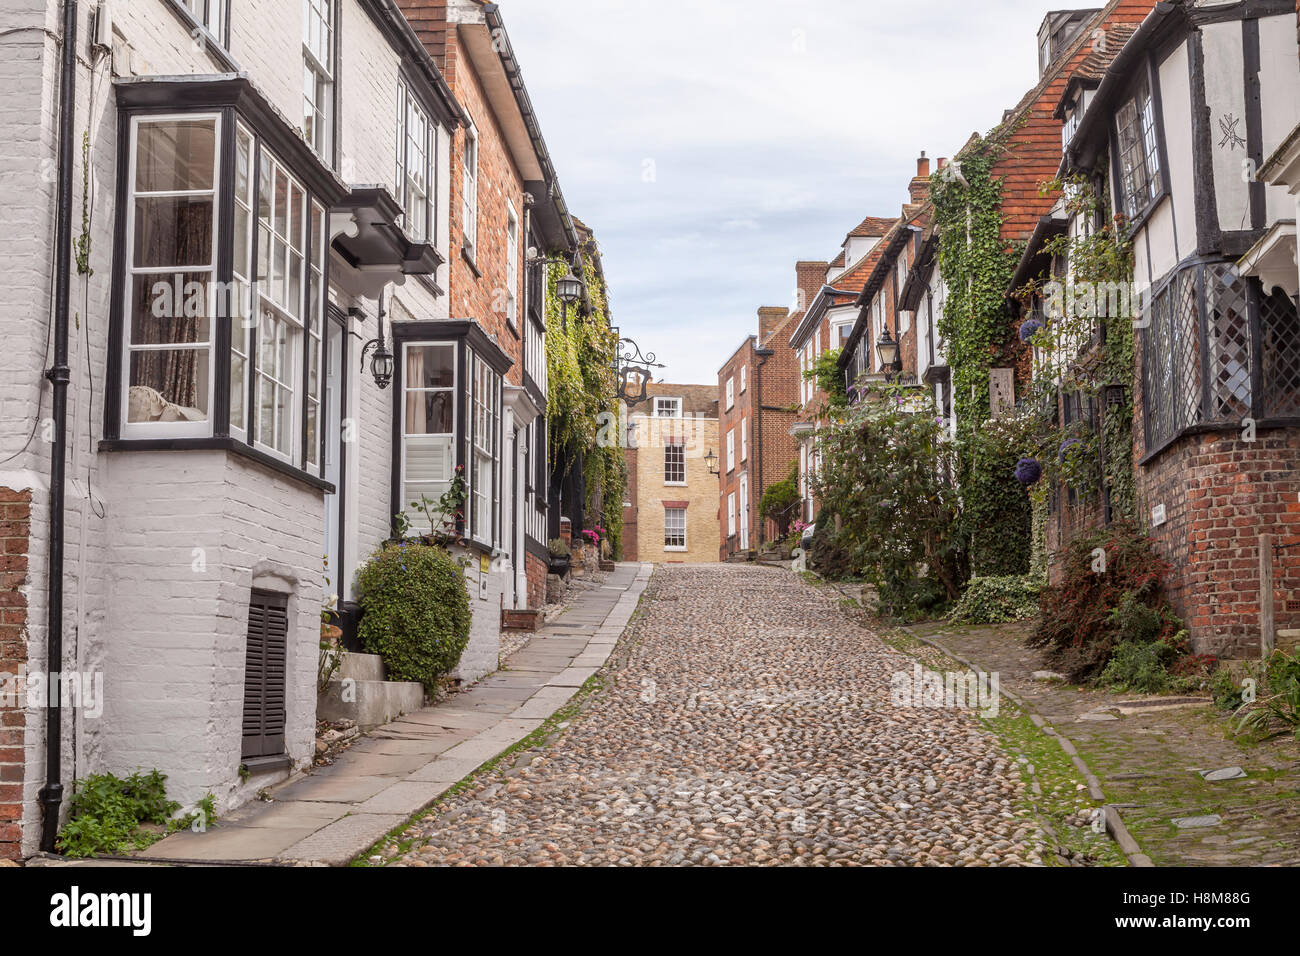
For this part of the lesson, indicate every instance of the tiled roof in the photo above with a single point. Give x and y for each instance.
(873, 227)
(696, 399)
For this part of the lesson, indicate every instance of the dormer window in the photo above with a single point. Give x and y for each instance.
(668, 408)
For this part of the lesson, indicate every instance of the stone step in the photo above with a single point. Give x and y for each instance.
(371, 703)
(362, 667)
(1288, 640)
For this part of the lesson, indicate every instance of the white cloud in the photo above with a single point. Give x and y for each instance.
(773, 128)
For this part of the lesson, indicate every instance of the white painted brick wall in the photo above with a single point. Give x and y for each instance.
(170, 641)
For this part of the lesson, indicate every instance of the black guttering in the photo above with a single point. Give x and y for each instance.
(59, 375)
(883, 268)
(1048, 226)
(819, 307)
(389, 18)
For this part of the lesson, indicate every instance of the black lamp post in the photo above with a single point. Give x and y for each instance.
(887, 350)
(381, 362)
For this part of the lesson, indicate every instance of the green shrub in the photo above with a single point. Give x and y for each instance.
(1140, 666)
(996, 600)
(826, 553)
(415, 611)
(780, 500)
(1276, 709)
(105, 814)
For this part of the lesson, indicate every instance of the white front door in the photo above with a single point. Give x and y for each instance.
(334, 333)
(744, 511)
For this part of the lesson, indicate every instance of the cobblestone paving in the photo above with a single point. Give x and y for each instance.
(744, 720)
(1148, 761)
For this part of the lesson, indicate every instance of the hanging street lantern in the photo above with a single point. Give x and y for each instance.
(381, 362)
(887, 350)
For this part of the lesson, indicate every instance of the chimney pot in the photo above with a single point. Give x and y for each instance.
(923, 165)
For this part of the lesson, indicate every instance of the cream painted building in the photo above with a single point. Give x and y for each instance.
(671, 514)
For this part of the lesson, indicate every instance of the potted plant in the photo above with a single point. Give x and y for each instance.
(560, 556)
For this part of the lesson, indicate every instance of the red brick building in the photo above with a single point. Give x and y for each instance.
(15, 530)
(504, 200)
(757, 389)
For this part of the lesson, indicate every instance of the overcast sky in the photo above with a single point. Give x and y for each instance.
(711, 145)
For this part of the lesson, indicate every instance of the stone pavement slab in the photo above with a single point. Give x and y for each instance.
(331, 815)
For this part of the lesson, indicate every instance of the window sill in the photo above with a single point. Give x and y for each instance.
(256, 765)
(674, 484)
(212, 44)
(219, 444)
(681, 550)
(1207, 429)
(467, 253)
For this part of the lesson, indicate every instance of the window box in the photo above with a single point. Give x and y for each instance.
(220, 274)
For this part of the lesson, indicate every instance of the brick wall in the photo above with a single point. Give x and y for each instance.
(15, 531)
(1220, 494)
(731, 419)
(779, 383)
(631, 513)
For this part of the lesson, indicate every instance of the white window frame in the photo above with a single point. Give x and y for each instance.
(744, 439)
(211, 15)
(667, 528)
(671, 466)
(731, 393)
(673, 404)
(417, 185)
(841, 329)
(731, 515)
(454, 389)
(731, 450)
(476, 453)
(469, 191)
(312, 10)
(168, 429)
(512, 265)
(743, 370)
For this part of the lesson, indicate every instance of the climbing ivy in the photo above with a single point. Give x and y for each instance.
(1100, 259)
(977, 266)
(582, 402)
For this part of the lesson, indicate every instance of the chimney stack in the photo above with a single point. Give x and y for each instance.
(769, 317)
(919, 187)
(810, 276)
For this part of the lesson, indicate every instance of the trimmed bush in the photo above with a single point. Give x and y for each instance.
(415, 611)
(997, 600)
(1139, 666)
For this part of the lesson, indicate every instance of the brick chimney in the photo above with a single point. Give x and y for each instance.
(769, 317)
(919, 188)
(809, 276)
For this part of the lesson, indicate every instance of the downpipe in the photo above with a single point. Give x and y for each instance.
(59, 375)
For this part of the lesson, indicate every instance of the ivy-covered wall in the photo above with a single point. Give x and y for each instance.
(583, 401)
(978, 265)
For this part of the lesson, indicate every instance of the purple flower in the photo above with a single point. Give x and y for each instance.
(1028, 471)
(1028, 328)
(1066, 447)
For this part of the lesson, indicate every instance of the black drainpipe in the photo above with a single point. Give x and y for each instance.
(51, 796)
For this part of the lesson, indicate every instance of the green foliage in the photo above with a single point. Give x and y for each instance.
(780, 501)
(1140, 666)
(1110, 583)
(997, 600)
(829, 378)
(105, 814)
(828, 553)
(445, 516)
(996, 511)
(583, 410)
(884, 470)
(558, 548)
(1277, 710)
(977, 267)
(415, 611)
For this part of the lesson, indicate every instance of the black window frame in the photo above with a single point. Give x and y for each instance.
(1150, 78)
(237, 103)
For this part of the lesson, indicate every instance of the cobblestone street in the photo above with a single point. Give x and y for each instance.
(743, 719)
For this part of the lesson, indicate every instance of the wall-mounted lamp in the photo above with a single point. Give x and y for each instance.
(712, 461)
(381, 362)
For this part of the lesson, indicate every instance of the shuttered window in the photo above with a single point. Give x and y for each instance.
(264, 674)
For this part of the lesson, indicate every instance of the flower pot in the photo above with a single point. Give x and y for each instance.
(558, 564)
